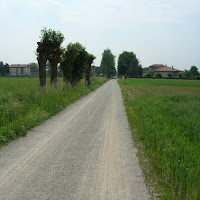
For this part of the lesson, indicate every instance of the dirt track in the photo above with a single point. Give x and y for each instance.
(83, 153)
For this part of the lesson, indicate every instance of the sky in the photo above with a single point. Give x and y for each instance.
(157, 31)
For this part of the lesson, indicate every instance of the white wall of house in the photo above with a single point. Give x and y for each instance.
(165, 74)
(27, 71)
(19, 71)
(12, 72)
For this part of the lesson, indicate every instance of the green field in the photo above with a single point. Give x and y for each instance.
(164, 116)
(24, 105)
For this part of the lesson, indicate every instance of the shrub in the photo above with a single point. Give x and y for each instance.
(169, 75)
(159, 75)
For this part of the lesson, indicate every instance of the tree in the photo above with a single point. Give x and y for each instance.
(159, 75)
(74, 62)
(170, 75)
(124, 62)
(133, 68)
(145, 69)
(90, 59)
(34, 67)
(194, 71)
(185, 74)
(97, 71)
(129, 65)
(4, 69)
(49, 48)
(60, 72)
(92, 71)
(108, 64)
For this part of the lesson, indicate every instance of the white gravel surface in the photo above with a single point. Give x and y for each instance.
(83, 153)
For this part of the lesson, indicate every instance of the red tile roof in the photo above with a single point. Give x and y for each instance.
(166, 69)
(157, 65)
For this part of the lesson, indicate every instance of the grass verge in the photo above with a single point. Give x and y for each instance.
(23, 105)
(164, 116)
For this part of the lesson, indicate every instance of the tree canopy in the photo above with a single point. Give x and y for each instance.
(74, 62)
(97, 71)
(4, 69)
(128, 64)
(194, 71)
(108, 64)
(34, 67)
(49, 48)
(52, 38)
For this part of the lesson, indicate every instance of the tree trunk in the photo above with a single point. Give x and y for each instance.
(87, 77)
(42, 71)
(54, 71)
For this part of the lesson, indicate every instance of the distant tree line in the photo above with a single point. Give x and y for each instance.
(4, 69)
(193, 72)
(76, 62)
(128, 65)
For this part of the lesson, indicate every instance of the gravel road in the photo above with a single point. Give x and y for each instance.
(83, 153)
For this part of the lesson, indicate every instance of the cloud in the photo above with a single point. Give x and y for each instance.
(70, 16)
(127, 13)
(5, 5)
(42, 4)
(54, 2)
(107, 14)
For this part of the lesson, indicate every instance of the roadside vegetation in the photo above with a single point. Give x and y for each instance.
(107, 66)
(24, 105)
(129, 65)
(164, 116)
(74, 60)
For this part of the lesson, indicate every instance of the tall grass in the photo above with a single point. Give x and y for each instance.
(163, 82)
(168, 125)
(24, 105)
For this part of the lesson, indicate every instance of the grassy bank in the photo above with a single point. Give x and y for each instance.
(24, 105)
(164, 116)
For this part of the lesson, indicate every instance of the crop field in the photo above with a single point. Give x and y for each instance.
(164, 116)
(24, 105)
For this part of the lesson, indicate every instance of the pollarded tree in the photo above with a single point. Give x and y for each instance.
(73, 62)
(54, 59)
(128, 64)
(49, 48)
(108, 64)
(90, 59)
(56, 39)
(42, 56)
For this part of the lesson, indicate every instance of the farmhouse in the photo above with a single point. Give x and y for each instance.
(19, 70)
(164, 70)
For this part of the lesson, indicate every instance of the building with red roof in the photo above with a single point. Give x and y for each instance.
(164, 70)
